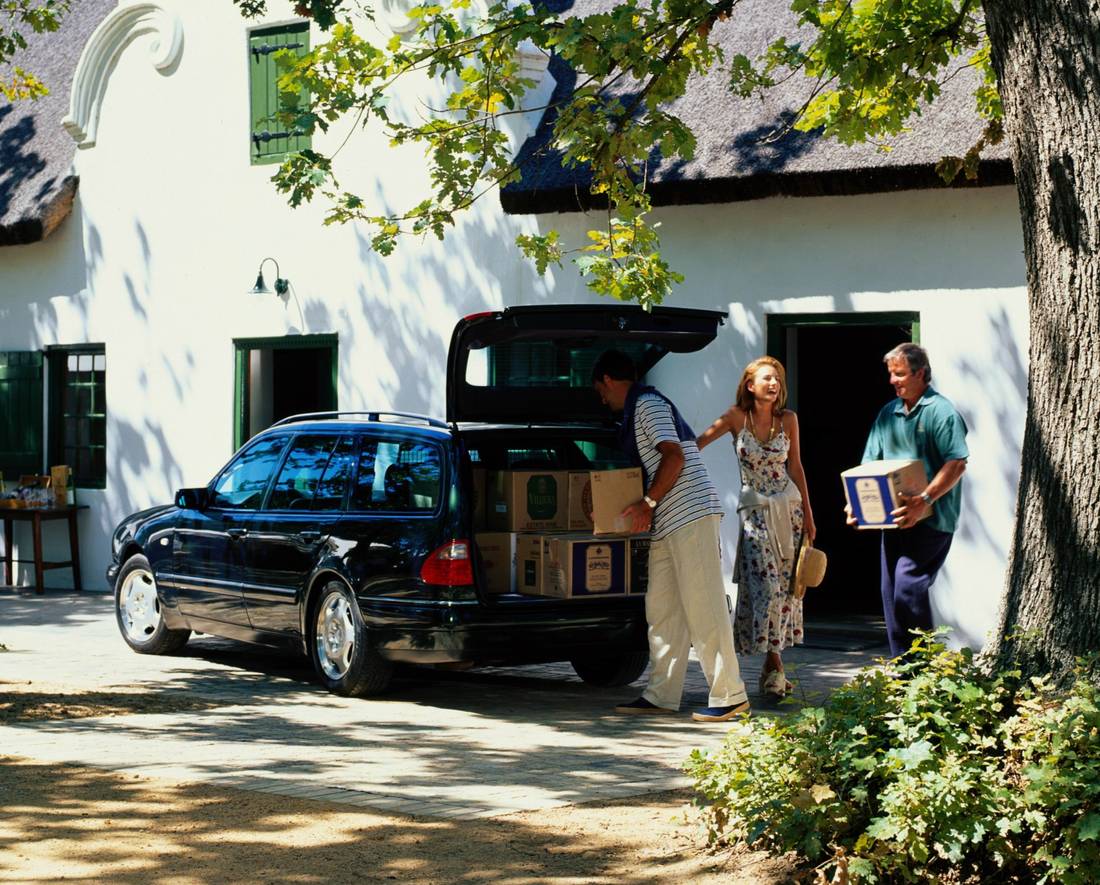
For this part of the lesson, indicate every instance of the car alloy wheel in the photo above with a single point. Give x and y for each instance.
(335, 635)
(138, 611)
(138, 606)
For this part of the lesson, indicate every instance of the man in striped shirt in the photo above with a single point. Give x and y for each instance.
(686, 599)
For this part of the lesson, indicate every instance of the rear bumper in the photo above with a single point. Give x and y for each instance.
(507, 631)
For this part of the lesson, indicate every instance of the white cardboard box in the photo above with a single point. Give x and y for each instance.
(581, 565)
(873, 490)
(528, 501)
(529, 564)
(580, 501)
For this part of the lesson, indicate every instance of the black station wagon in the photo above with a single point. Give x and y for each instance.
(351, 536)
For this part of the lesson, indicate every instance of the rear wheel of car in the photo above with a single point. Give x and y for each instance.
(338, 645)
(137, 610)
(611, 670)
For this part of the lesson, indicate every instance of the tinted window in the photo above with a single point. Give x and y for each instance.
(401, 477)
(534, 363)
(301, 472)
(334, 481)
(241, 486)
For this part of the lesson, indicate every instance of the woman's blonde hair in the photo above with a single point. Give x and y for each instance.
(745, 398)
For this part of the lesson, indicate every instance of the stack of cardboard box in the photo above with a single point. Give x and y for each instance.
(559, 533)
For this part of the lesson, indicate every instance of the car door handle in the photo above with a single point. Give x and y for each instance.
(236, 534)
(309, 537)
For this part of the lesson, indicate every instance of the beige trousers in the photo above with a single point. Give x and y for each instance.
(686, 605)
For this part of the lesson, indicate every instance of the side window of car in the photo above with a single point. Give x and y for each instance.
(402, 477)
(241, 486)
(334, 481)
(301, 473)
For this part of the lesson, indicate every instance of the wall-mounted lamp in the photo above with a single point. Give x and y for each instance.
(281, 285)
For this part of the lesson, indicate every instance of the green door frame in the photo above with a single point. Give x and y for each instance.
(778, 324)
(242, 346)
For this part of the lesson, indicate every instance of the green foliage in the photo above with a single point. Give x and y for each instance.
(875, 63)
(16, 18)
(927, 771)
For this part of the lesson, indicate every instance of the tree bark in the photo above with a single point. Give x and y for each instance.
(1046, 54)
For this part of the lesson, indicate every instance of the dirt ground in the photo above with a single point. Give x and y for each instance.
(67, 822)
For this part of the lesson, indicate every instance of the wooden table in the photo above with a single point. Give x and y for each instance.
(36, 516)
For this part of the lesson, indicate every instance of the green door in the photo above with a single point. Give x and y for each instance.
(20, 413)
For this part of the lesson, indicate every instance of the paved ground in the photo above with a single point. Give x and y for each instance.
(440, 743)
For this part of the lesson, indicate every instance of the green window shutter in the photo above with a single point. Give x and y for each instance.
(78, 412)
(20, 414)
(270, 139)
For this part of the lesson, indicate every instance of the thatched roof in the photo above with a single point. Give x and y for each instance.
(734, 161)
(37, 186)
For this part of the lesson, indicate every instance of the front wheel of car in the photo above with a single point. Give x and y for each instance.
(607, 671)
(338, 646)
(138, 611)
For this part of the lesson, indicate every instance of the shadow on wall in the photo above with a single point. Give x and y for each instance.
(443, 285)
(1008, 403)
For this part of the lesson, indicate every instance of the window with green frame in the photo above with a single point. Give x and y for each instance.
(271, 139)
(78, 412)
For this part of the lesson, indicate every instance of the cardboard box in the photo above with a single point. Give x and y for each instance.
(580, 565)
(873, 490)
(612, 492)
(528, 501)
(529, 564)
(61, 480)
(478, 475)
(580, 501)
(498, 560)
(639, 563)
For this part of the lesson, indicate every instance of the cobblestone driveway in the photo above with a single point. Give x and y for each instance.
(440, 743)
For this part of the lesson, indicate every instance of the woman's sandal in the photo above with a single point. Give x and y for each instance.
(774, 683)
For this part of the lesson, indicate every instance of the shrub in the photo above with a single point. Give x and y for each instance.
(930, 769)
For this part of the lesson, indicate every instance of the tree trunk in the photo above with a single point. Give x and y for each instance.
(1047, 57)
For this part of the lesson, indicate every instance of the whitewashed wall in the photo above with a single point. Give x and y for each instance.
(172, 221)
(954, 256)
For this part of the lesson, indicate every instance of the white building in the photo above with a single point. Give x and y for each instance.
(132, 236)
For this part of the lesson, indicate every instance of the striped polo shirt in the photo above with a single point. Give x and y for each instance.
(693, 495)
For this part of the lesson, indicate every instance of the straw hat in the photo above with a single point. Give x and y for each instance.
(810, 570)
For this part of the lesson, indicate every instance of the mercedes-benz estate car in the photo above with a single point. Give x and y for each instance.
(351, 535)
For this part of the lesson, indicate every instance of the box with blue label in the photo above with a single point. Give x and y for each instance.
(582, 566)
(873, 490)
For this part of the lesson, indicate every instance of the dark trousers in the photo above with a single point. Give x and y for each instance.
(911, 559)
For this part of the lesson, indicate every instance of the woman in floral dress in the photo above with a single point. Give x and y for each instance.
(775, 514)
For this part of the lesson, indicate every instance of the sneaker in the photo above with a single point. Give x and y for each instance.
(641, 706)
(721, 714)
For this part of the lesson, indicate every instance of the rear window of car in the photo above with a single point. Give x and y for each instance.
(561, 454)
(398, 477)
(534, 363)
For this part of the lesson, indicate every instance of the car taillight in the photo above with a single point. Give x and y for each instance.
(449, 565)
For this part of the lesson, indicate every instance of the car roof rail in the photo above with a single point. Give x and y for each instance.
(374, 415)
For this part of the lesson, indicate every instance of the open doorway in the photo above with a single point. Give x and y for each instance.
(278, 377)
(837, 384)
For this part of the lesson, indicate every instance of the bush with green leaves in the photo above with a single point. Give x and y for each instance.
(924, 770)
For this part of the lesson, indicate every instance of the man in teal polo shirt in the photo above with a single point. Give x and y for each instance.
(920, 423)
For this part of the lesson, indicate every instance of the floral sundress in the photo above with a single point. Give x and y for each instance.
(768, 616)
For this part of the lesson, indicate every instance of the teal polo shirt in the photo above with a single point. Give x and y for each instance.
(933, 431)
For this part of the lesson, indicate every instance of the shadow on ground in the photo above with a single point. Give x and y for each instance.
(71, 822)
